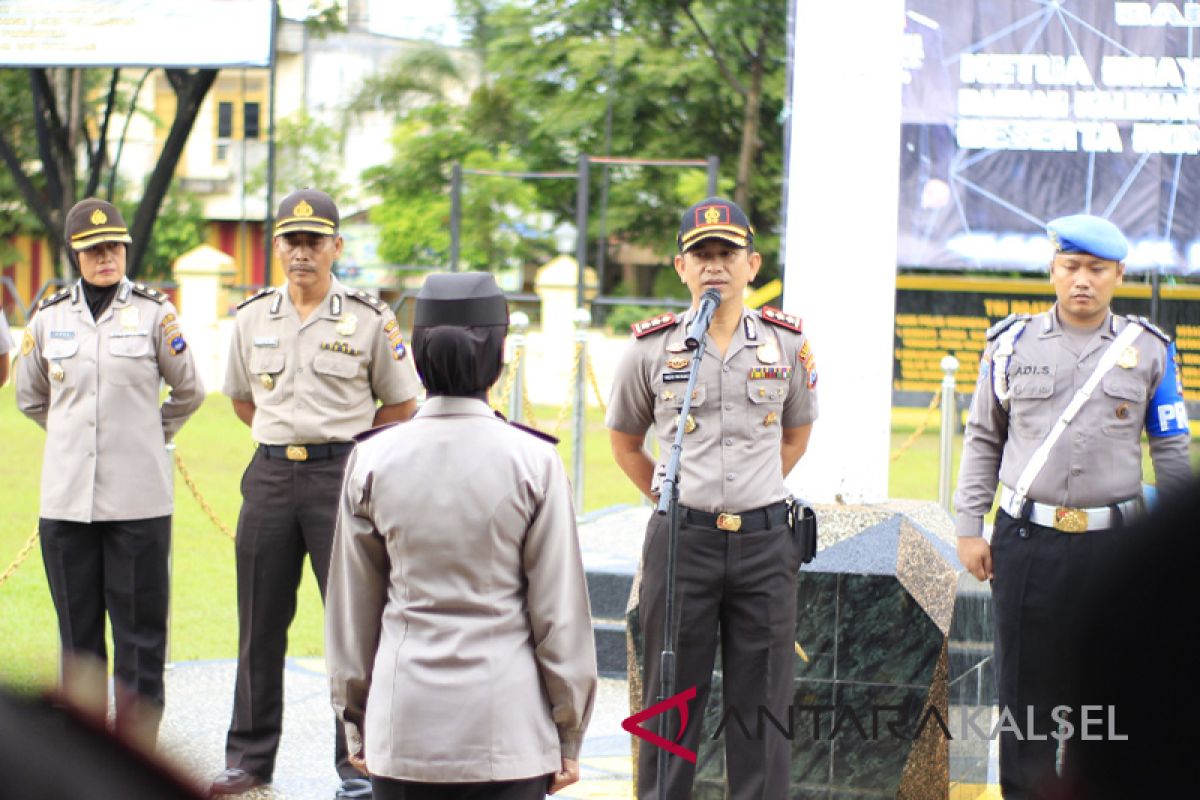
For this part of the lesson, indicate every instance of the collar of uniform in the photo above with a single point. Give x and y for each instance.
(1052, 326)
(442, 406)
(739, 339)
(323, 308)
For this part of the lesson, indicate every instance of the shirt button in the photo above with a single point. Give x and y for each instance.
(1075, 470)
(299, 370)
(725, 368)
(729, 406)
(729, 476)
(729, 442)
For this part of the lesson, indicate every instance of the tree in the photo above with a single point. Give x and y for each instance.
(178, 229)
(308, 152)
(63, 116)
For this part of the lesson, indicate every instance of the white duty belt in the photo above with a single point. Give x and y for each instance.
(1070, 520)
(1040, 456)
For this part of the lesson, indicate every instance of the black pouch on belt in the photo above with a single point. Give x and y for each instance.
(804, 529)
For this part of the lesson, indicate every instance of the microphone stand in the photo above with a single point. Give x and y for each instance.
(668, 503)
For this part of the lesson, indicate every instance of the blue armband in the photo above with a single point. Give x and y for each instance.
(1166, 414)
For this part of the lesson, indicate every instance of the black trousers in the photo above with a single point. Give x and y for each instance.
(1041, 577)
(118, 568)
(745, 584)
(289, 509)
(527, 789)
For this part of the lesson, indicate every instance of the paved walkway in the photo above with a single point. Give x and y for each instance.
(200, 699)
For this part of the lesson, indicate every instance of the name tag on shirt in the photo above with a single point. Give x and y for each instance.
(266, 341)
(62, 334)
(675, 377)
(127, 334)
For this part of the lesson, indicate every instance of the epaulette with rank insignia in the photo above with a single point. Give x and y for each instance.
(782, 319)
(545, 437)
(57, 297)
(652, 325)
(371, 300)
(1006, 323)
(147, 292)
(1150, 327)
(266, 290)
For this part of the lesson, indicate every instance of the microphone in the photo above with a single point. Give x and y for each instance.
(708, 304)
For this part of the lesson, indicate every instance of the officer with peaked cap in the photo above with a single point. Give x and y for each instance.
(458, 635)
(93, 360)
(308, 363)
(752, 413)
(1057, 420)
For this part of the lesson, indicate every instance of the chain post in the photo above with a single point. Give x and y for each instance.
(582, 320)
(949, 409)
(518, 323)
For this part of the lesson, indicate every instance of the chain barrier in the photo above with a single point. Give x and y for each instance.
(501, 403)
(20, 559)
(933, 404)
(191, 484)
(570, 401)
(591, 375)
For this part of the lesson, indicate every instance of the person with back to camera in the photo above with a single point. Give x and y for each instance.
(458, 633)
(1057, 420)
(93, 361)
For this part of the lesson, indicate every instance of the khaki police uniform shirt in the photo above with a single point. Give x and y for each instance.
(95, 387)
(1097, 460)
(731, 460)
(317, 381)
(457, 602)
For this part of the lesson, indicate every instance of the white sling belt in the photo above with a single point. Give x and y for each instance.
(1074, 520)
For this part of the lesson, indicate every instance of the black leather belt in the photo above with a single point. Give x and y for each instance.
(757, 519)
(305, 452)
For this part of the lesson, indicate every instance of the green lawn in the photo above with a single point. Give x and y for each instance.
(215, 448)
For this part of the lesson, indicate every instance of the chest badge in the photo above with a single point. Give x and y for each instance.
(347, 325)
(767, 353)
(1122, 411)
(676, 347)
(129, 318)
(57, 372)
(1128, 359)
(689, 424)
(770, 419)
(678, 362)
(267, 381)
(668, 395)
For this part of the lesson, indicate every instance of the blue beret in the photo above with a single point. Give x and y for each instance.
(1083, 233)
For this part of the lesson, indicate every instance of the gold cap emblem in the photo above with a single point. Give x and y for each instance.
(712, 216)
(98, 217)
(302, 209)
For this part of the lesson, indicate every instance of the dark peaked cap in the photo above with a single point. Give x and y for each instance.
(466, 299)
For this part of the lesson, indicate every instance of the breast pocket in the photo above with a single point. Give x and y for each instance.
(1124, 404)
(766, 405)
(342, 379)
(62, 362)
(131, 361)
(266, 366)
(669, 402)
(1030, 408)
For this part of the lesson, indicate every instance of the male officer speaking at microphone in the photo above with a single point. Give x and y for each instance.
(308, 362)
(1057, 419)
(752, 412)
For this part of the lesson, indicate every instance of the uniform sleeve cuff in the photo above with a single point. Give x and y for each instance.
(570, 744)
(966, 525)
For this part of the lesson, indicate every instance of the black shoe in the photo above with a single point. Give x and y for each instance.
(235, 781)
(354, 789)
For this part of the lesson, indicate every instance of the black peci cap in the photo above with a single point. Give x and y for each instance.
(465, 299)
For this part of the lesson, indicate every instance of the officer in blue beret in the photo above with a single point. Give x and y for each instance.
(1057, 420)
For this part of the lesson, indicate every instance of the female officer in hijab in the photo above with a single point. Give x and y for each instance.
(458, 633)
(92, 364)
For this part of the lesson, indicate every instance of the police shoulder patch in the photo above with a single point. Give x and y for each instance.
(57, 297)
(369, 300)
(1006, 323)
(261, 293)
(147, 292)
(653, 325)
(782, 319)
(1150, 327)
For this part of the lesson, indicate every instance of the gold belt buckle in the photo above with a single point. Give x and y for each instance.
(1070, 520)
(297, 452)
(729, 522)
